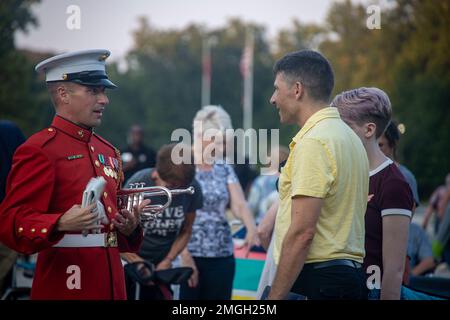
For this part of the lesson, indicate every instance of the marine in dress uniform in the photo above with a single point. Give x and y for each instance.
(50, 171)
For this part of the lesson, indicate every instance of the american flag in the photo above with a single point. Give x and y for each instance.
(206, 66)
(246, 66)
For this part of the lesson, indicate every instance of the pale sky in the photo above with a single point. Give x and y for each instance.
(109, 23)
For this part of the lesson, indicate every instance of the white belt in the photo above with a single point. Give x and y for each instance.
(91, 240)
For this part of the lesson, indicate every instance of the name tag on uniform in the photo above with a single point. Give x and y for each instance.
(76, 156)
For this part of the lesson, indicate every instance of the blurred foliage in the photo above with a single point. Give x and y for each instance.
(160, 85)
(22, 98)
(409, 59)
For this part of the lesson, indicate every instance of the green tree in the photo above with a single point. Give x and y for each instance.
(408, 58)
(421, 89)
(21, 98)
(161, 87)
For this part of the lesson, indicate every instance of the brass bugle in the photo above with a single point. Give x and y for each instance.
(136, 193)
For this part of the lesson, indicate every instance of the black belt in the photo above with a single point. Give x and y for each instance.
(336, 262)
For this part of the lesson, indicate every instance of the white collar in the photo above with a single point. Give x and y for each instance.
(380, 167)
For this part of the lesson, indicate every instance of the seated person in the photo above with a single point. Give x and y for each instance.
(168, 234)
(437, 205)
(441, 241)
(419, 251)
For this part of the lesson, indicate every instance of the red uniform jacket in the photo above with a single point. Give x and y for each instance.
(49, 174)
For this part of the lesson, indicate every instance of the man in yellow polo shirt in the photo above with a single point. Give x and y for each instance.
(319, 231)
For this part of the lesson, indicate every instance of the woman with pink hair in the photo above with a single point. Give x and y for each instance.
(390, 202)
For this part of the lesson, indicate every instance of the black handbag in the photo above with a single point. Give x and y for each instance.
(144, 273)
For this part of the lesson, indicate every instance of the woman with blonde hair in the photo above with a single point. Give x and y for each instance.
(210, 250)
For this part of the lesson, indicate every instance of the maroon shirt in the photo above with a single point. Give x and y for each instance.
(389, 193)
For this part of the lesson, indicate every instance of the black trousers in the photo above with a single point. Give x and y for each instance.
(215, 280)
(331, 283)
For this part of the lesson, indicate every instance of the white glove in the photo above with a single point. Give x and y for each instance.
(99, 210)
(92, 194)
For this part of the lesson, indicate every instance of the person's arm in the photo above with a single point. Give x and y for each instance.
(312, 174)
(424, 255)
(26, 225)
(131, 257)
(423, 266)
(395, 242)
(428, 212)
(265, 228)
(296, 244)
(241, 211)
(131, 234)
(188, 261)
(443, 204)
(254, 198)
(180, 242)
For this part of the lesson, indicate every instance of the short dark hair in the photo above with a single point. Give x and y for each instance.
(311, 69)
(52, 88)
(181, 174)
(392, 134)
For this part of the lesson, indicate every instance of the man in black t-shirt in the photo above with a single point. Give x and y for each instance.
(136, 156)
(168, 234)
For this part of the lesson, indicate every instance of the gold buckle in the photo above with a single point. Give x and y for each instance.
(111, 239)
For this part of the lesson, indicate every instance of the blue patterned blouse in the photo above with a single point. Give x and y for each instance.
(211, 233)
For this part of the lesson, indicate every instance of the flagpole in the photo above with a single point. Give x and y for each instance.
(248, 82)
(206, 69)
